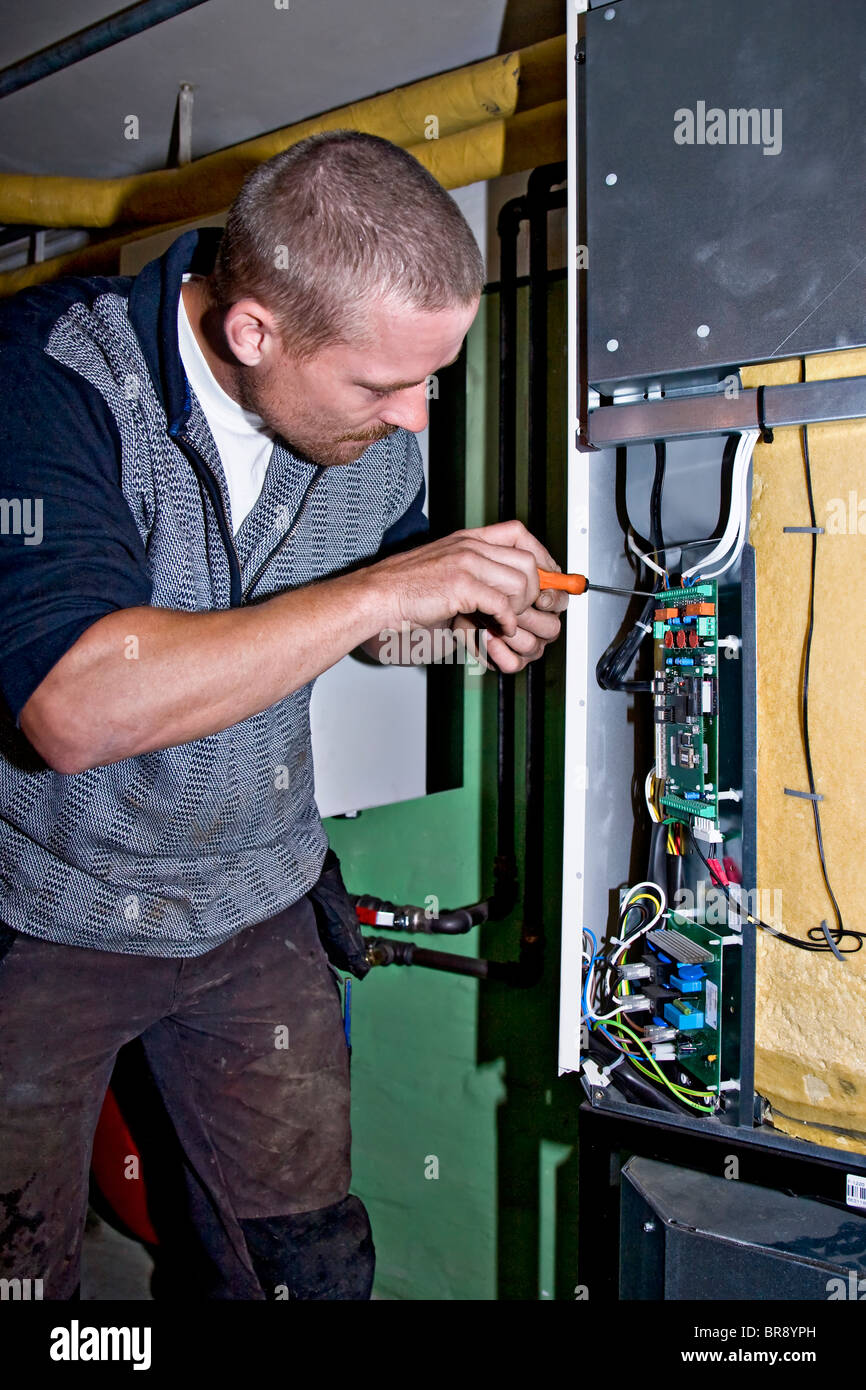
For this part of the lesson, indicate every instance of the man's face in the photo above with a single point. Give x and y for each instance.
(331, 407)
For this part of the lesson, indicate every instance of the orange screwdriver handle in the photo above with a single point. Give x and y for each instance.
(571, 583)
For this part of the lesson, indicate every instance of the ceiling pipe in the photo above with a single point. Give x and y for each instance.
(135, 19)
(490, 92)
(479, 153)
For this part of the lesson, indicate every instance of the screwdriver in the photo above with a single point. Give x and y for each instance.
(578, 584)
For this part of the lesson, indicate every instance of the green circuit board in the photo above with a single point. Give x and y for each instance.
(686, 705)
(706, 1009)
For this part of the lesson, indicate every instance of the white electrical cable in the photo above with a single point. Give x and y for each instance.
(602, 1018)
(736, 527)
(647, 790)
(744, 520)
(623, 945)
(645, 556)
(630, 940)
(732, 525)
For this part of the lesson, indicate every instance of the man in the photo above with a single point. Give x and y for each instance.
(217, 450)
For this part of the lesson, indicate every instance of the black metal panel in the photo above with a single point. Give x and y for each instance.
(766, 250)
(687, 1235)
(765, 1157)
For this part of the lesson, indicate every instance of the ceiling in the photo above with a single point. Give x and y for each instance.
(253, 68)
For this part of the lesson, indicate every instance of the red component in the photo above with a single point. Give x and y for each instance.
(700, 610)
(693, 638)
(732, 871)
(669, 639)
(113, 1146)
(681, 638)
(367, 915)
(662, 614)
(719, 875)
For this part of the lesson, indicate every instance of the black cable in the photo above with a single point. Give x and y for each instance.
(817, 940)
(615, 663)
(624, 1077)
(656, 536)
(725, 503)
(657, 862)
(839, 931)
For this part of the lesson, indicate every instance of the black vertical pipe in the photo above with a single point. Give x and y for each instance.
(508, 227)
(539, 202)
(527, 969)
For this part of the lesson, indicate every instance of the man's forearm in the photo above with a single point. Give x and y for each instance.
(410, 644)
(148, 678)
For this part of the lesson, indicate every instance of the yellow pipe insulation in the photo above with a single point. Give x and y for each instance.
(483, 152)
(492, 90)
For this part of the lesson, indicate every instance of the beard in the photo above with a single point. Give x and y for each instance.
(317, 439)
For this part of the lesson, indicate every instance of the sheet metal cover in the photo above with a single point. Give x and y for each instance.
(763, 250)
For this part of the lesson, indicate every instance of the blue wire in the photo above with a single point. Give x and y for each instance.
(587, 1012)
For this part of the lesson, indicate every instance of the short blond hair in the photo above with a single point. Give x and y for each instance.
(325, 229)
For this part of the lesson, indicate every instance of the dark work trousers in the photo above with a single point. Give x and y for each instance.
(244, 1047)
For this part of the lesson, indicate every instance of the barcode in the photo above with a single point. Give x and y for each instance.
(855, 1191)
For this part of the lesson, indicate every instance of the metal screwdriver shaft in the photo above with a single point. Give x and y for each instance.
(578, 584)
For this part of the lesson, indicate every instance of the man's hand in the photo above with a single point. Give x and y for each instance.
(489, 569)
(536, 627)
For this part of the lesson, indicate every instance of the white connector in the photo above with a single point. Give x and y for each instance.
(594, 1074)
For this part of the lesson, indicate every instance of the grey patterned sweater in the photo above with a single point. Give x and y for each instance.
(114, 497)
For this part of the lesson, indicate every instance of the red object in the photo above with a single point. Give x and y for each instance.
(367, 915)
(669, 639)
(113, 1146)
(693, 638)
(718, 872)
(681, 638)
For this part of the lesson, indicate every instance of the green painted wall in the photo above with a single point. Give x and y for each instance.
(449, 1074)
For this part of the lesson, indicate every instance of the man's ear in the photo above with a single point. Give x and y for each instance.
(251, 331)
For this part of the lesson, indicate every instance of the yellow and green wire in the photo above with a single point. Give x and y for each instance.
(681, 1092)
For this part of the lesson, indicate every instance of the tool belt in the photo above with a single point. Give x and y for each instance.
(337, 921)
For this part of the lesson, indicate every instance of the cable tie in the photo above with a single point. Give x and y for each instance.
(804, 530)
(766, 432)
(807, 796)
(643, 625)
(832, 944)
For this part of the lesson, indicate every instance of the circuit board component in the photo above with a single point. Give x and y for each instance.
(686, 706)
(694, 992)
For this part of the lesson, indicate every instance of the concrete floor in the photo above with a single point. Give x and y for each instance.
(113, 1267)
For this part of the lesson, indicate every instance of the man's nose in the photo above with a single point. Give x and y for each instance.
(407, 409)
